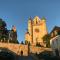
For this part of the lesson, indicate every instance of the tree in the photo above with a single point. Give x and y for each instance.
(26, 42)
(14, 37)
(3, 29)
(2, 24)
(6, 34)
(46, 39)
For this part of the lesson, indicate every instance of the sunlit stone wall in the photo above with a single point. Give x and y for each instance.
(16, 48)
(34, 49)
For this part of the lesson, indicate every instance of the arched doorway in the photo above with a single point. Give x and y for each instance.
(21, 53)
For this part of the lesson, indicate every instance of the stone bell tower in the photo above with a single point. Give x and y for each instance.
(36, 30)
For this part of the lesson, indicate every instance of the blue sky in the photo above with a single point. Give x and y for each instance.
(17, 12)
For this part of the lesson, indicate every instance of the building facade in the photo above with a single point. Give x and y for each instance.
(55, 44)
(36, 30)
(55, 40)
(55, 32)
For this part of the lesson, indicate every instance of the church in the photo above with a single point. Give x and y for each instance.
(35, 31)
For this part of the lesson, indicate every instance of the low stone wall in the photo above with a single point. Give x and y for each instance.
(21, 49)
(16, 48)
(34, 49)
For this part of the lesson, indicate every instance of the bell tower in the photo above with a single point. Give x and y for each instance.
(36, 30)
(39, 30)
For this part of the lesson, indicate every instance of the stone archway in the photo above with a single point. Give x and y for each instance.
(21, 53)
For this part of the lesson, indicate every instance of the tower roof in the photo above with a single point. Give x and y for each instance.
(43, 18)
(30, 18)
(36, 18)
(55, 28)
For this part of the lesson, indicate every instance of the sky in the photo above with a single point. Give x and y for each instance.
(17, 12)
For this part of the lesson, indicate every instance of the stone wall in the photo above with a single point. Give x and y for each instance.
(16, 48)
(34, 49)
(21, 49)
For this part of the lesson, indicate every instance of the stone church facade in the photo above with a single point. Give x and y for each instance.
(36, 30)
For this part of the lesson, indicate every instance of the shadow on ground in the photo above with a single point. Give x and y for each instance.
(6, 54)
(47, 55)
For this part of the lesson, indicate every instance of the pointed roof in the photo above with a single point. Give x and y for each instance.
(36, 18)
(30, 18)
(55, 28)
(43, 18)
